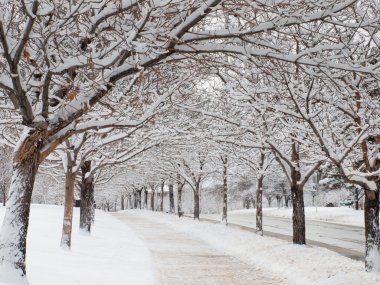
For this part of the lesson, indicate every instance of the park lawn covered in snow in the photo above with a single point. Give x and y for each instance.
(298, 264)
(111, 255)
(338, 215)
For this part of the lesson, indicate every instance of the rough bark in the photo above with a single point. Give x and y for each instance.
(299, 236)
(171, 199)
(298, 215)
(68, 209)
(87, 198)
(15, 224)
(372, 235)
(259, 206)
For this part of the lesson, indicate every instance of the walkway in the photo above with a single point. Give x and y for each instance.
(181, 259)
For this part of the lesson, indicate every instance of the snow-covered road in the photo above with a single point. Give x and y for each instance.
(345, 239)
(183, 259)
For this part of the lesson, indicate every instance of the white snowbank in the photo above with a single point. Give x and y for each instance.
(111, 255)
(338, 215)
(296, 264)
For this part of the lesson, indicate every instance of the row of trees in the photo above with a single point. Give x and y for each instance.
(294, 82)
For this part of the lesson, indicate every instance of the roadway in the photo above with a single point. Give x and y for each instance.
(344, 239)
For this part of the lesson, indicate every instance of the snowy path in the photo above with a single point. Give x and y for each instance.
(344, 239)
(181, 259)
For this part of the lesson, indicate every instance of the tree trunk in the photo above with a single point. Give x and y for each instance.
(4, 198)
(356, 199)
(122, 202)
(299, 236)
(259, 206)
(152, 200)
(372, 235)
(269, 198)
(162, 197)
(15, 224)
(298, 214)
(259, 196)
(286, 199)
(196, 204)
(225, 192)
(278, 199)
(87, 196)
(139, 194)
(68, 209)
(135, 199)
(171, 199)
(145, 198)
(179, 199)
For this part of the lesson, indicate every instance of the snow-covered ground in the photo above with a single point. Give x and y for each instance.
(338, 215)
(114, 255)
(111, 255)
(298, 264)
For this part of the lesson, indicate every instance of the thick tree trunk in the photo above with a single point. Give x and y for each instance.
(298, 214)
(259, 206)
(372, 235)
(179, 200)
(87, 198)
(68, 209)
(15, 224)
(196, 204)
(171, 199)
(299, 235)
